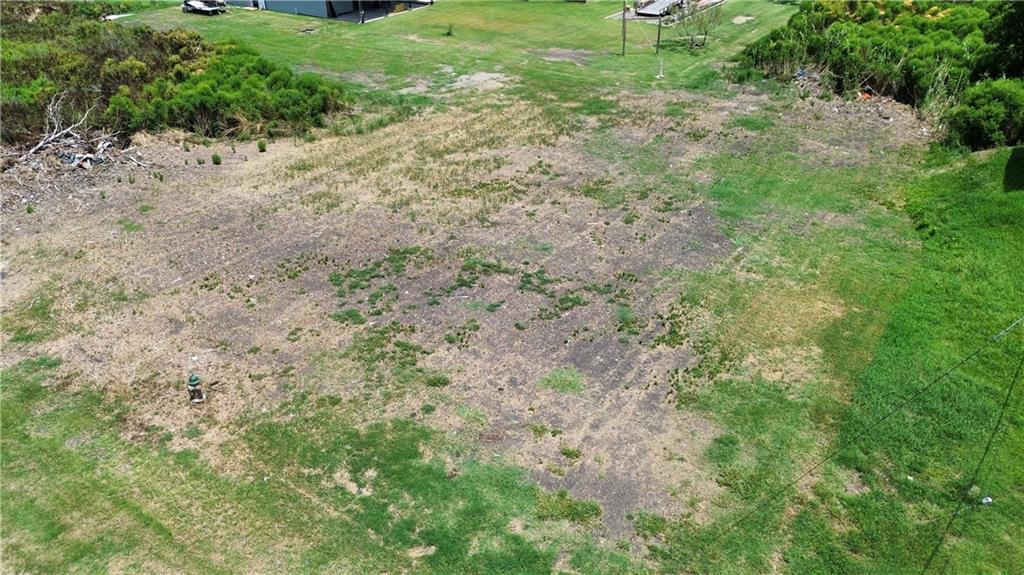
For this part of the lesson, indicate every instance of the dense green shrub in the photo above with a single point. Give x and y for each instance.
(904, 49)
(921, 53)
(137, 78)
(990, 113)
(238, 92)
(87, 61)
(1005, 29)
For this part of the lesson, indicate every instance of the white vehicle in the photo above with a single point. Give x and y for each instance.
(208, 7)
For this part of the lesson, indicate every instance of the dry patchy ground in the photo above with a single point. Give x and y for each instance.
(527, 259)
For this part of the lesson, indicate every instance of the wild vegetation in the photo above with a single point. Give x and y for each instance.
(61, 60)
(923, 53)
(542, 312)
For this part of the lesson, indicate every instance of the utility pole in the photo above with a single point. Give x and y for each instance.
(623, 27)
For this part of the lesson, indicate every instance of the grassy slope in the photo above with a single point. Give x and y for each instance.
(969, 286)
(909, 315)
(77, 494)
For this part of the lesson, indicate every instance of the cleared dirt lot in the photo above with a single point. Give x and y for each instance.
(537, 248)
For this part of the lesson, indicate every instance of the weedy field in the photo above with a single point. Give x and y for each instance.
(533, 311)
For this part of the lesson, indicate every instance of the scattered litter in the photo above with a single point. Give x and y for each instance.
(116, 16)
(808, 81)
(80, 160)
(986, 501)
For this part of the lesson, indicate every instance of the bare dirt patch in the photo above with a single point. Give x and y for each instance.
(371, 79)
(844, 133)
(795, 317)
(790, 365)
(855, 484)
(480, 81)
(237, 292)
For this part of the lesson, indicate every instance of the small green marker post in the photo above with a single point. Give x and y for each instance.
(195, 395)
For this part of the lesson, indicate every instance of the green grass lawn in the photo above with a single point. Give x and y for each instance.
(911, 314)
(509, 37)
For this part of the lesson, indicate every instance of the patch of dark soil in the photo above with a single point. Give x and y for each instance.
(578, 57)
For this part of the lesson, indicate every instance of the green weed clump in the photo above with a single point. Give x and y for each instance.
(437, 380)
(32, 321)
(394, 264)
(564, 380)
(571, 452)
(460, 335)
(129, 226)
(261, 145)
(215, 159)
(561, 505)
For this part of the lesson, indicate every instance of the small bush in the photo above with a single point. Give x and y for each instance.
(349, 316)
(215, 159)
(991, 113)
(437, 380)
(261, 146)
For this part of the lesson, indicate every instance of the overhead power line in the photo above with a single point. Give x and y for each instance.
(977, 469)
(865, 430)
